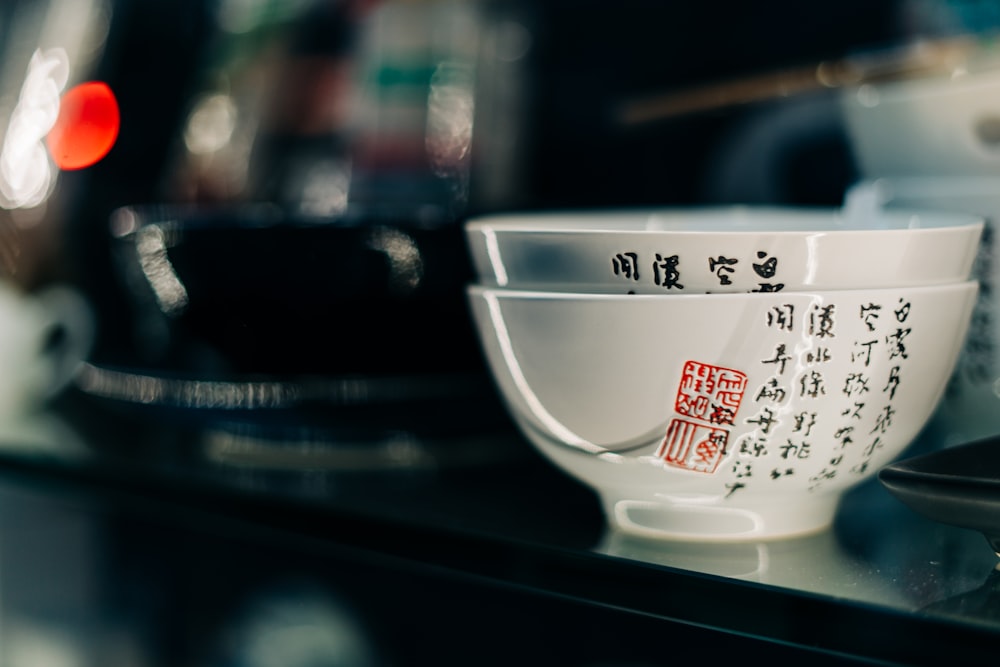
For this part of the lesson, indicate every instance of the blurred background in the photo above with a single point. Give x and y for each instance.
(462, 106)
(396, 119)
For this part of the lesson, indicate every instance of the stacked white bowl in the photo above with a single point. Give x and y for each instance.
(722, 373)
(933, 142)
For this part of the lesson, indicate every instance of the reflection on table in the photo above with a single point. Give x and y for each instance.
(113, 577)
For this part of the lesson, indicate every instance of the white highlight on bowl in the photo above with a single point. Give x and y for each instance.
(537, 409)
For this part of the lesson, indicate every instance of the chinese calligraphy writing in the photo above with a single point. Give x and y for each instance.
(719, 269)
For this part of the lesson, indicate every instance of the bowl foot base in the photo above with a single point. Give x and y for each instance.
(672, 519)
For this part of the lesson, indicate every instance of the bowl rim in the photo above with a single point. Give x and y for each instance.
(476, 290)
(716, 220)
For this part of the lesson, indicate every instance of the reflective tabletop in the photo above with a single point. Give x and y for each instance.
(129, 537)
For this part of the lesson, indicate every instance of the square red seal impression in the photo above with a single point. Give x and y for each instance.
(693, 446)
(708, 397)
(711, 394)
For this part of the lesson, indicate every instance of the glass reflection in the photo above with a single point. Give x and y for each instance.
(405, 263)
(980, 605)
(297, 625)
(249, 447)
(324, 459)
(450, 107)
(192, 394)
(170, 292)
(816, 563)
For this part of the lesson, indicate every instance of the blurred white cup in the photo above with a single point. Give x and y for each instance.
(942, 125)
(44, 338)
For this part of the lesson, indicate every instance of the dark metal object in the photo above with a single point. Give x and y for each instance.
(958, 485)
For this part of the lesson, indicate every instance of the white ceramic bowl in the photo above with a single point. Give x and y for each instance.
(942, 125)
(721, 249)
(725, 416)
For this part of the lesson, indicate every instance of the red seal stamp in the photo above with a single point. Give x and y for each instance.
(708, 398)
(710, 394)
(693, 446)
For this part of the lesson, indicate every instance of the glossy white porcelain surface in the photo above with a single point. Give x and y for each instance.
(722, 249)
(724, 416)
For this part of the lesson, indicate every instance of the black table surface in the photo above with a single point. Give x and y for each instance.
(136, 538)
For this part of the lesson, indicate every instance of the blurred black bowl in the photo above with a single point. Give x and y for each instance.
(253, 290)
(358, 319)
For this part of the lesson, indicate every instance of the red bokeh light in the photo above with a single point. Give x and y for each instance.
(86, 128)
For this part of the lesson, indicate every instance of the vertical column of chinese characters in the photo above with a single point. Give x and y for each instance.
(892, 341)
(813, 384)
(767, 399)
(856, 388)
(809, 386)
(708, 398)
